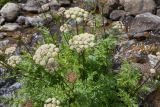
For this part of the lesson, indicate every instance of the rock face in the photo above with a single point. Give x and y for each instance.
(10, 11)
(158, 12)
(35, 20)
(143, 22)
(64, 2)
(108, 6)
(152, 100)
(1, 20)
(2, 35)
(117, 14)
(33, 5)
(157, 2)
(9, 27)
(138, 6)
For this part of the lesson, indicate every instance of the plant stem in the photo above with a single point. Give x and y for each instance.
(65, 38)
(103, 19)
(83, 26)
(77, 28)
(135, 91)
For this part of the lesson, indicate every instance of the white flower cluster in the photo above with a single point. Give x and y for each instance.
(82, 42)
(45, 56)
(77, 14)
(65, 28)
(14, 60)
(10, 50)
(52, 102)
(61, 11)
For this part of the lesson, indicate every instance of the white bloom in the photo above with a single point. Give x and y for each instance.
(79, 19)
(56, 49)
(45, 55)
(81, 42)
(91, 44)
(73, 16)
(52, 102)
(48, 100)
(51, 61)
(10, 50)
(67, 16)
(65, 28)
(14, 60)
(58, 102)
(61, 11)
(43, 63)
(76, 13)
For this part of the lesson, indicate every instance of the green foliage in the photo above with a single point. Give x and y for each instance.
(95, 85)
(82, 79)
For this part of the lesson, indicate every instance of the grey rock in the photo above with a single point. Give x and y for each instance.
(10, 11)
(13, 87)
(157, 2)
(158, 12)
(64, 2)
(142, 22)
(21, 20)
(35, 20)
(1, 20)
(51, 5)
(33, 5)
(2, 35)
(92, 1)
(153, 60)
(117, 14)
(45, 7)
(138, 6)
(9, 27)
(3, 43)
(108, 6)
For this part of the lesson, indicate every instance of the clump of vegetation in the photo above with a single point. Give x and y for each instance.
(75, 73)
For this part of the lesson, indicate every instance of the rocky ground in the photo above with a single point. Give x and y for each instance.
(139, 41)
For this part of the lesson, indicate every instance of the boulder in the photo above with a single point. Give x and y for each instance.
(10, 11)
(35, 20)
(157, 2)
(9, 27)
(158, 12)
(108, 6)
(3, 35)
(138, 6)
(117, 14)
(1, 20)
(65, 2)
(3, 43)
(33, 5)
(141, 23)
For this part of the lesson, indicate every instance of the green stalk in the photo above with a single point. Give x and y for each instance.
(65, 38)
(77, 28)
(103, 18)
